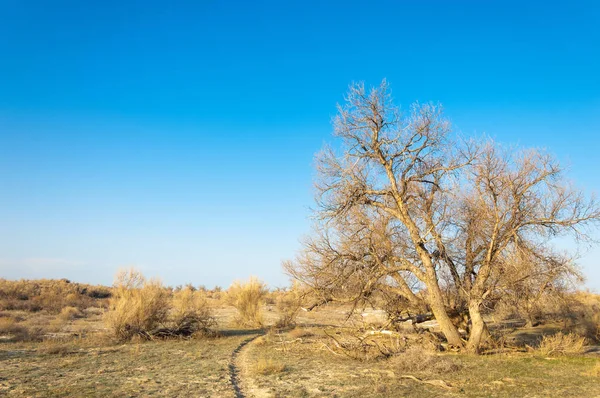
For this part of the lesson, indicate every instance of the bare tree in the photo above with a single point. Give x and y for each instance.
(405, 206)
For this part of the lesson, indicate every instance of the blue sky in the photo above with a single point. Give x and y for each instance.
(179, 136)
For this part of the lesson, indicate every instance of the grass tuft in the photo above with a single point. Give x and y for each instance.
(266, 366)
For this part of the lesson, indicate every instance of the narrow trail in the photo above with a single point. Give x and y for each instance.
(234, 371)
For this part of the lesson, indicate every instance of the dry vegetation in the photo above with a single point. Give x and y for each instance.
(288, 303)
(32, 310)
(49, 295)
(247, 299)
(308, 364)
(146, 309)
(562, 344)
(103, 349)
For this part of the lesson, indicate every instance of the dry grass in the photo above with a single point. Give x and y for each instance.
(419, 359)
(57, 347)
(82, 368)
(268, 367)
(311, 370)
(79, 360)
(594, 372)
(247, 299)
(299, 333)
(562, 344)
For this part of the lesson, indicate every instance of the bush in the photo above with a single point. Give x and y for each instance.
(69, 313)
(146, 309)
(49, 295)
(288, 304)
(247, 299)
(583, 312)
(190, 312)
(99, 292)
(562, 344)
(10, 328)
(137, 306)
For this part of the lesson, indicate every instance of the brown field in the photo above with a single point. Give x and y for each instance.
(70, 352)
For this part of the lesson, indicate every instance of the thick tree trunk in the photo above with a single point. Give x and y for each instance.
(479, 331)
(441, 315)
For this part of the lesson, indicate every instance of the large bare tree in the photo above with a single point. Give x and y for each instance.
(408, 208)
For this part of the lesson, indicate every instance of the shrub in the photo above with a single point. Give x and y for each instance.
(137, 306)
(562, 344)
(583, 312)
(247, 299)
(190, 312)
(99, 292)
(10, 328)
(69, 313)
(144, 308)
(361, 346)
(288, 304)
(49, 295)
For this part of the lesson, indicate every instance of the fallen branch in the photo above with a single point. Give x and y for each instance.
(382, 332)
(436, 383)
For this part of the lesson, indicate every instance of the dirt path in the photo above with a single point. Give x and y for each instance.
(234, 370)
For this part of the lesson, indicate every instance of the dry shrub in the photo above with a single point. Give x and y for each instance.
(247, 299)
(97, 292)
(562, 344)
(190, 312)
(583, 312)
(50, 295)
(266, 366)
(137, 306)
(10, 328)
(288, 304)
(145, 309)
(419, 359)
(578, 311)
(216, 293)
(70, 313)
(56, 325)
(362, 346)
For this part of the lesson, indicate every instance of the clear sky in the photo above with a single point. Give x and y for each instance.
(179, 136)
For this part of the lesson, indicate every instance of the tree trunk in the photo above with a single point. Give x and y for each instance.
(441, 315)
(479, 331)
